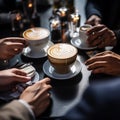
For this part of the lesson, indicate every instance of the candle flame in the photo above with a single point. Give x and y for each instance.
(75, 19)
(55, 23)
(18, 17)
(62, 13)
(30, 5)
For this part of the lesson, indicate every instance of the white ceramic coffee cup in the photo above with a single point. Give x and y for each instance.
(62, 56)
(82, 32)
(37, 38)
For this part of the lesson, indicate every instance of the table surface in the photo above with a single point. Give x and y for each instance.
(65, 93)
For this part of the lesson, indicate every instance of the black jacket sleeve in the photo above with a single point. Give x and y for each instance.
(93, 7)
(5, 7)
(100, 102)
(116, 49)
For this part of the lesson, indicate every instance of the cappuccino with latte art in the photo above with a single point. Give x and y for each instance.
(62, 56)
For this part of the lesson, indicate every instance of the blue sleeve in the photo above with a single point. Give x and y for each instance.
(116, 48)
(93, 7)
(99, 102)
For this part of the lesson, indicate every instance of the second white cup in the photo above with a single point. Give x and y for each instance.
(37, 39)
(82, 33)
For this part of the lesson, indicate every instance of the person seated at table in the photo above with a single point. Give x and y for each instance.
(9, 47)
(36, 96)
(101, 36)
(103, 12)
(33, 101)
(106, 62)
(106, 13)
(100, 101)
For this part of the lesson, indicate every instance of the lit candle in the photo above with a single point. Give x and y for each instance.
(75, 18)
(74, 23)
(63, 14)
(30, 5)
(16, 20)
(18, 17)
(55, 24)
(55, 30)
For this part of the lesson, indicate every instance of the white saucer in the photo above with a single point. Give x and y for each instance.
(27, 52)
(49, 70)
(77, 43)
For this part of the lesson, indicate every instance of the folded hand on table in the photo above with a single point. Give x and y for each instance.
(106, 62)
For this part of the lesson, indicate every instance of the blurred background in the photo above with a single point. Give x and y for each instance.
(18, 15)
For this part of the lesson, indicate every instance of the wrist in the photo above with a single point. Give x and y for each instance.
(28, 107)
(114, 40)
(116, 46)
(117, 37)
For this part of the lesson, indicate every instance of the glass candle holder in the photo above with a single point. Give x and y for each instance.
(74, 23)
(16, 20)
(31, 16)
(63, 14)
(29, 7)
(55, 28)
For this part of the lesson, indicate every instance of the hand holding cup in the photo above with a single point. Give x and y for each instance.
(83, 33)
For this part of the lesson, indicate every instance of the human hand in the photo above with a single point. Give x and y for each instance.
(10, 76)
(106, 62)
(101, 36)
(93, 20)
(37, 96)
(11, 46)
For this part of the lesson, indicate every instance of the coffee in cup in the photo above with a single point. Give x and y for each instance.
(82, 32)
(37, 39)
(62, 56)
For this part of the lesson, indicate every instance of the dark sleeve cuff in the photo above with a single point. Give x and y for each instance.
(92, 9)
(116, 49)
